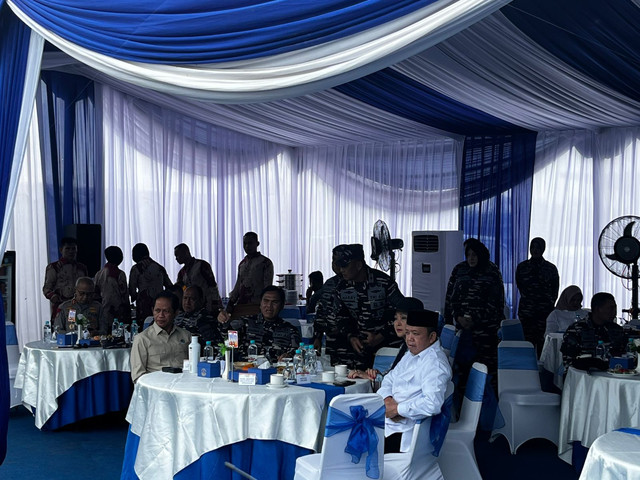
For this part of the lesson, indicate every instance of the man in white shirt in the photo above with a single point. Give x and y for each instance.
(416, 387)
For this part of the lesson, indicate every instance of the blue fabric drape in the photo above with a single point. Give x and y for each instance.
(517, 358)
(72, 167)
(495, 199)
(153, 32)
(394, 92)
(599, 39)
(14, 48)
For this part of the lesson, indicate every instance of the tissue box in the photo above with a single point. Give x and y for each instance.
(208, 370)
(263, 375)
(89, 341)
(624, 362)
(64, 340)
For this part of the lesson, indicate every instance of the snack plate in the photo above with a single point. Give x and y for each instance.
(613, 373)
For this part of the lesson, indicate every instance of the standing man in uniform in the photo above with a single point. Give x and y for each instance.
(538, 283)
(363, 296)
(60, 276)
(255, 273)
(196, 272)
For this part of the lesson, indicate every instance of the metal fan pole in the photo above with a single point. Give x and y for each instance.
(392, 269)
(634, 291)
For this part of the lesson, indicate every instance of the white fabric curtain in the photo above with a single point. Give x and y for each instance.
(494, 67)
(583, 180)
(27, 236)
(173, 179)
(297, 73)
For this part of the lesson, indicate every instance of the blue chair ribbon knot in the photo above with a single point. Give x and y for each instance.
(363, 437)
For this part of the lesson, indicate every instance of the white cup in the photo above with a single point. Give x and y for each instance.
(277, 379)
(341, 370)
(328, 376)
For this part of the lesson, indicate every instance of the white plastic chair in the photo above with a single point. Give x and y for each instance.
(457, 458)
(384, 358)
(528, 411)
(449, 342)
(13, 357)
(511, 330)
(334, 462)
(418, 463)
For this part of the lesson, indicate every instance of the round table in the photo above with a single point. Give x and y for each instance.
(64, 385)
(595, 404)
(177, 419)
(613, 456)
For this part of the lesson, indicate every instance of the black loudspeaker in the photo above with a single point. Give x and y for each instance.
(89, 237)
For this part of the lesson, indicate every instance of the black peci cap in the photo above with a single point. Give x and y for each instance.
(422, 318)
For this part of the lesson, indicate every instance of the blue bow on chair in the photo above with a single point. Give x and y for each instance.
(440, 426)
(363, 437)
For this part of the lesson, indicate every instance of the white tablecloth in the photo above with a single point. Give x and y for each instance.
(613, 456)
(551, 357)
(46, 371)
(179, 417)
(593, 405)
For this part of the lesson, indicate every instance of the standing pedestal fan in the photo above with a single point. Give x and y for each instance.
(619, 249)
(383, 248)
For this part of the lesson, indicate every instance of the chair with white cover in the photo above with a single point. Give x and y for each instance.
(353, 446)
(457, 458)
(528, 411)
(384, 358)
(13, 358)
(511, 330)
(420, 461)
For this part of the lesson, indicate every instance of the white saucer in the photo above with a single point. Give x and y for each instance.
(273, 385)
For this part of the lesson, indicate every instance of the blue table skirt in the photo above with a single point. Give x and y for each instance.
(263, 459)
(96, 395)
(10, 332)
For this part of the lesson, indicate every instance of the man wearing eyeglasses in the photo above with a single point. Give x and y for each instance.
(83, 304)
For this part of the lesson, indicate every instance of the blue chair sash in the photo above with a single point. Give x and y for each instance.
(474, 390)
(440, 426)
(517, 358)
(632, 431)
(363, 437)
(446, 338)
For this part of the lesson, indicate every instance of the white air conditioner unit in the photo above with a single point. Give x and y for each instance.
(434, 254)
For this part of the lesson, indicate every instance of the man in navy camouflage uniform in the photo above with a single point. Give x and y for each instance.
(582, 337)
(538, 282)
(274, 336)
(337, 345)
(197, 319)
(363, 294)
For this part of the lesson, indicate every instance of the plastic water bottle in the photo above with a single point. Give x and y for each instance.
(303, 350)
(46, 337)
(114, 327)
(134, 330)
(194, 355)
(298, 362)
(601, 350)
(125, 333)
(121, 330)
(252, 351)
(208, 352)
(311, 360)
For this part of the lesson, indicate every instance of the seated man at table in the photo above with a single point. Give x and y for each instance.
(406, 305)
(196, 319)
(274, 337)
(416, 387)
(83, 304)
(581, 338)
(162, 344)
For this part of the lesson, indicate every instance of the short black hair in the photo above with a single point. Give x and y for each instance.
(197, 289)
(600, 298)
(251, 234)
(273, 288)
(316, 278)
(175, 301)
(139, 251)
(113, 255)
(68, 241)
